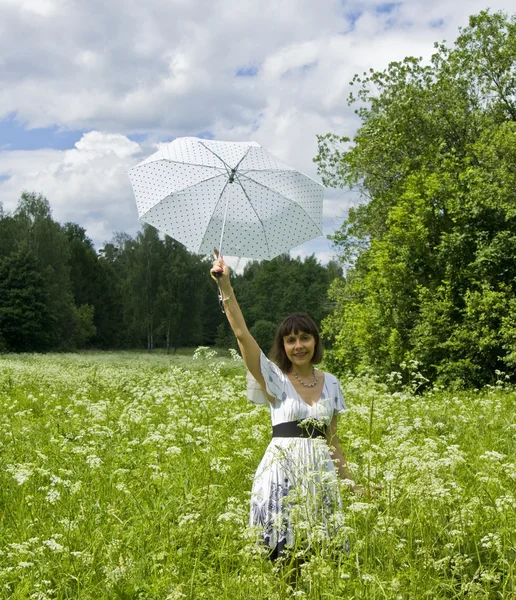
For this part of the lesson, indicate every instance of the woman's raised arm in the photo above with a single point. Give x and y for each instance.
(248, 346)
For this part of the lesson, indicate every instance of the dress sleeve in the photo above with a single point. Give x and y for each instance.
(255, 394)
(339, 404)
(274, 378)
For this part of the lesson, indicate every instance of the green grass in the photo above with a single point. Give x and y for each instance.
(127, 475)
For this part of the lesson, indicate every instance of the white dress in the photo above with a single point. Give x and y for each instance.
(295, 492)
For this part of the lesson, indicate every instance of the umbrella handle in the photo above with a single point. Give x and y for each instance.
(217, 274)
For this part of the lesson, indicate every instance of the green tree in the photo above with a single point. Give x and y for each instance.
(26, 320)
(270, 290)
(119, 329)
(143, 284)
(84, 277)
(225, 338)
(432, 247)
(37, 231)
(264, 332)
(180, 297)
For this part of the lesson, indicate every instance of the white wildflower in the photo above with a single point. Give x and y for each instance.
(21, 472)
(85, 557)
(359, 507)
(493, 456)
(93, 461)
(76, 487)
(188, 519)
(53, 496)
(53, 545)
(505, 503)
(235, 355)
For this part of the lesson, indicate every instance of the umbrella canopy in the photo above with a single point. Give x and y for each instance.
(234, 195)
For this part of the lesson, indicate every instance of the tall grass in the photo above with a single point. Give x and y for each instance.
(128, 476)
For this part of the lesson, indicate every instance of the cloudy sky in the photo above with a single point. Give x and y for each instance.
(89, 88)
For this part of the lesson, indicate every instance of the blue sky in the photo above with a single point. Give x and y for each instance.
(16, 136)
(88, 94)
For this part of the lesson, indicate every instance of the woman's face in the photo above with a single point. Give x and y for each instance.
(299, 348)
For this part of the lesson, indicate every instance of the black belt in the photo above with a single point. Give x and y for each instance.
(295, 430)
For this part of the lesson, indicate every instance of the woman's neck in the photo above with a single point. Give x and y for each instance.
(303, 372)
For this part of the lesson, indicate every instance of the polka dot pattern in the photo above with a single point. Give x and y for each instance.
(230, 152)
(258, 159)
(185, 215)
(157, 180)
(296, 187)
(184, 188)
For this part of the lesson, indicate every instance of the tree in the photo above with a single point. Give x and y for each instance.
(264, 332)
(36, 230)
(271, 290)
(432, 249)
(142, 284)
(116, 261)
(179, 297)
(82, 261)
(26, 320)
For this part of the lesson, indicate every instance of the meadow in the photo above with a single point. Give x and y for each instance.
(128, 476)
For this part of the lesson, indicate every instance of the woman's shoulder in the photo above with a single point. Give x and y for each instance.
(328, 377)
(332, 383)
(271, 372)
(269, 362)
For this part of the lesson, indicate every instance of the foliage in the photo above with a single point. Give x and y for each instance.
(225, 338)
(142, 292)
(271, 290)
(128, 476)
(264, 332)
(432, 251)
(92, 286)
(26, 320)
(86, 329)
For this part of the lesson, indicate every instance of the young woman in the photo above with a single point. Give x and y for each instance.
(295, 492)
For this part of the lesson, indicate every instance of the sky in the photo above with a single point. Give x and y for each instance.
(90, 89)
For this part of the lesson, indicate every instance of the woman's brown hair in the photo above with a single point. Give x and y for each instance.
(295, 323)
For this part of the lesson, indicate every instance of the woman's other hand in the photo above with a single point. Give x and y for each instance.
(370, 492)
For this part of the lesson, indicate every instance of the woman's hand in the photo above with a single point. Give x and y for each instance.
(369, 492)
(358, 490)
(219, 271)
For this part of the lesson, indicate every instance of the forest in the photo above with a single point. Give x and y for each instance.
(58, 293)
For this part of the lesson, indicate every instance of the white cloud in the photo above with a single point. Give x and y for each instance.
(87, 185)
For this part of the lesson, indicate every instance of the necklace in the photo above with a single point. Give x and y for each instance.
(314, 382)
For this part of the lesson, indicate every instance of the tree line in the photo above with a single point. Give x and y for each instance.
(432, 249)
(58, 293)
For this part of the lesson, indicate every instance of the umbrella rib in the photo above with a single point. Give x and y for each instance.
(284, 197)
(255, 212)
(240, 161)
(213, 213)
(228, 168)
(277, 170)
(187, 189)
(180, 162)
(283, 171)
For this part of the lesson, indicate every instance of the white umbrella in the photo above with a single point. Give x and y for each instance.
(234, 195)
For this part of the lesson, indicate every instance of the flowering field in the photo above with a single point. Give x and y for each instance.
(128, 476)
